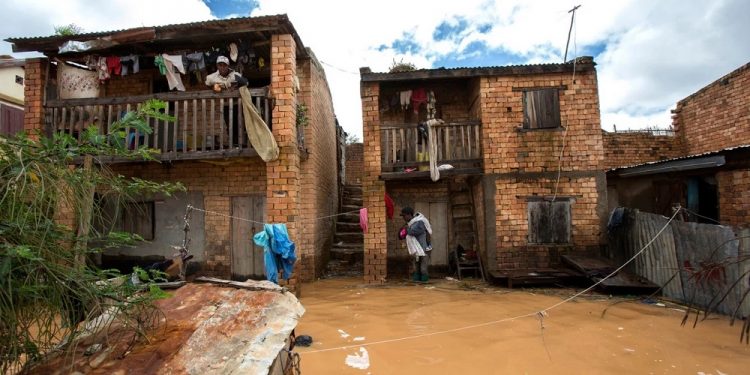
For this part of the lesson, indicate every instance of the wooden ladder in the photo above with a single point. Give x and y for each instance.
(464, 227)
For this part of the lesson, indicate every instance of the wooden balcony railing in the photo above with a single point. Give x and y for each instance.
(458, 144)
(206, 125)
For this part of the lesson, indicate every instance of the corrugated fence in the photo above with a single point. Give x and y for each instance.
(695, 263)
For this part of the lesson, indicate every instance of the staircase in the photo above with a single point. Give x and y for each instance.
(347, 252)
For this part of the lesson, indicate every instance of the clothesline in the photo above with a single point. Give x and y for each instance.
(541, 314)
(262, 222)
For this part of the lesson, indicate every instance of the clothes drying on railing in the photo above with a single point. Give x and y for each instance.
(258, 133)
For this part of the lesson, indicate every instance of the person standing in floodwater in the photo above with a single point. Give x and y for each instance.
(418, 231)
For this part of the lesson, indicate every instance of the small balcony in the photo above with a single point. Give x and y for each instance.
(206, 125)
(405, 151)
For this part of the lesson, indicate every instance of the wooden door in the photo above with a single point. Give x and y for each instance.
(247, 258)
(437, 214)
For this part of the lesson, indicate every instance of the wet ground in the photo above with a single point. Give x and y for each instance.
(453, 327)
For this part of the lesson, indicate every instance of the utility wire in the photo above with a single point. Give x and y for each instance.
(263, 222)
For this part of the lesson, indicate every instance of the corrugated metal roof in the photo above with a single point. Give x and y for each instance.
(708, 153)
(582, 63)
(273, 24)
(206, 329)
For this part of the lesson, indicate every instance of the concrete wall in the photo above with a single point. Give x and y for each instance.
(245, 176)
(10, 91)
(716, 116)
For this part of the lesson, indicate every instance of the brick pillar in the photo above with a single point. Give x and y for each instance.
(373, 189)
(283, 174)
(33, 92)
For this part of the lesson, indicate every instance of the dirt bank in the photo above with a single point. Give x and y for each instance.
(632, 337)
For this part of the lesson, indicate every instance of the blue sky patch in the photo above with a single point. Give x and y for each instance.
(233, 8)
(449, 30)
(406, 44)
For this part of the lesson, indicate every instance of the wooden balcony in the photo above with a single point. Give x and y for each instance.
(207, 125)
(404, 154)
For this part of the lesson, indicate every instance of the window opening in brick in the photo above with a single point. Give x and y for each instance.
(138, 218)
(549, 221)
(541, 109)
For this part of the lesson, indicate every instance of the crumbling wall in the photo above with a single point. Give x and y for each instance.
(628, 149)
(354, 167)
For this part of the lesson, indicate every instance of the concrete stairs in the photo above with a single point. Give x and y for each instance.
(347, 252)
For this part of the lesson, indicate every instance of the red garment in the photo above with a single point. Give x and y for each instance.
(363, 219)
(388, 206)
(114, 66)
(418, 96)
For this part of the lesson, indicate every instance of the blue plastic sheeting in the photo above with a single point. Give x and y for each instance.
(278, 251)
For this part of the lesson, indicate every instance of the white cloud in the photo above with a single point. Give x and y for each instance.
(655, 52)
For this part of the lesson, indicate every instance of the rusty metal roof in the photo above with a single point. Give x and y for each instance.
(739, 148)
(208, 329)
(582, 63)
(259, 27)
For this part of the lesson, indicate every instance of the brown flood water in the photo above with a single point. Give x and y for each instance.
(632, 337)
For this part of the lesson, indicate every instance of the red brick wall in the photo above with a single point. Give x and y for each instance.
(627, 149)
(717, 116)
(283, 186)
(318, 187)
(247, 176)
(734, 197)
(33, 92)
(513, 249)
(354, 159)
(373, 189)
(509, 149)
(525, 163)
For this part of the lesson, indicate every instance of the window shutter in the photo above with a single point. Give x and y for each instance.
(549, 222)
(541, 109)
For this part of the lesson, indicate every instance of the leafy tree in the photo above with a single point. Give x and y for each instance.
(47, 287)
(67, 30)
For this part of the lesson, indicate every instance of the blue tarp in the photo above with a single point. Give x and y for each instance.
(278, 250)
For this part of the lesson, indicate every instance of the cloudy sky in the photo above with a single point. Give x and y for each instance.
(649, 53)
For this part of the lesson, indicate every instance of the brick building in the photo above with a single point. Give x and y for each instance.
(206, 147)
(525, 182)
(704, 167)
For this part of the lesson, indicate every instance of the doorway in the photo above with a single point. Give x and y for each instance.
(437, 214)
(247, 258)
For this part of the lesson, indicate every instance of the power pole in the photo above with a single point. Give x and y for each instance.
(572, 16)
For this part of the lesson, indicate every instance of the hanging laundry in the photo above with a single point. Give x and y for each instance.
(405, 97)
(195, 61)
(101, 69)
(130, 64)
(278, 251)
(172, 62)
(113, 65)
(233, 53)
(75, 83)
(418, 97)
(388, 206)
(260, 136)
(159, 62)
(363, 219)
(431, 105)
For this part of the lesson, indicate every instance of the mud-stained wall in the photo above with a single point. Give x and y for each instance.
(217, 183)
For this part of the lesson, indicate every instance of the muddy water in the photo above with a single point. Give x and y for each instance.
(632, 337)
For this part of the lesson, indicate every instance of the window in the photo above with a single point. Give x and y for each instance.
(19, 80)
(541, 109)
(549, 222)
(138, 218)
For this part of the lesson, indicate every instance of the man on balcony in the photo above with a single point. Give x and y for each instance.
(224, 78)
